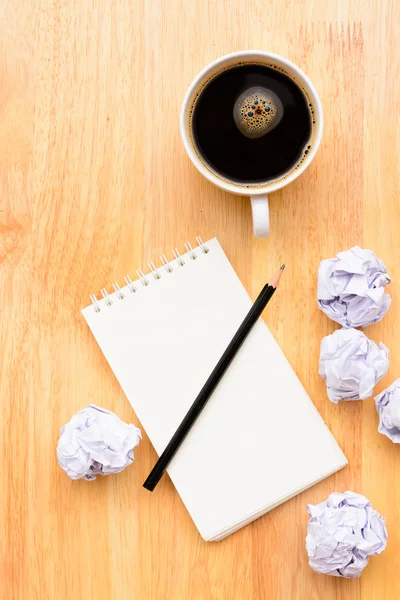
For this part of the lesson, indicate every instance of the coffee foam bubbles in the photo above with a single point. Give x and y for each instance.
(257, 111)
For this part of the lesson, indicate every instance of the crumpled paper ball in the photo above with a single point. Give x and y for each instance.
(351, 364)
(96, 442)
(388, 407)
(351, 288)
(343, 533)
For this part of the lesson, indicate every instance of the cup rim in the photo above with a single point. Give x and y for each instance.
(231, 186)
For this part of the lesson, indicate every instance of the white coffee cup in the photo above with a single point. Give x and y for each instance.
(258, 192)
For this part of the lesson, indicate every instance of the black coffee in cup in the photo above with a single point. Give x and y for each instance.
(252, 123)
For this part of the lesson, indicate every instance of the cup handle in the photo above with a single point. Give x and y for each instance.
(259, 207)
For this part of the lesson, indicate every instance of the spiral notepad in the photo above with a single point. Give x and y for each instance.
(260, 439)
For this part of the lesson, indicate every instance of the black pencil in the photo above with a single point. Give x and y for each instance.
(212, 382)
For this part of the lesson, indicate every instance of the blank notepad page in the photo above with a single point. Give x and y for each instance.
(260, 439)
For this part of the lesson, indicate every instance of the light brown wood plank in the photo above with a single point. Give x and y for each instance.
(94, 182)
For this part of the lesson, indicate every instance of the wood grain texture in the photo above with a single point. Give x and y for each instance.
(94, 182)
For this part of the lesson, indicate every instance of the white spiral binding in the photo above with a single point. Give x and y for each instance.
(142, 277)
(118, 291)
(203, 247)
(178, 257)
(95, 303)
(106, 297)
(190, 251)
(166, 264)
(153, 270)
(130, 284)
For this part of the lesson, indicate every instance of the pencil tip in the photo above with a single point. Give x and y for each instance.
(275, 279)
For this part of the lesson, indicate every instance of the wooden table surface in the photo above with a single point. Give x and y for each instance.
(94, 182)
